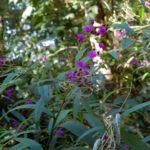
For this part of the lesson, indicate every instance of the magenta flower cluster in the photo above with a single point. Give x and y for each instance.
(1, 61)
(92, 54)
(101, 45)
(102, 30)
(43, 59)
(62, 59)
(80, 37)
(16, 124)
(29, 102)
(82, 77)
(59, 131)
(92, 21)
(105, 137)
(145, 63)
(89, 29)
(9, 93)
(126, 146)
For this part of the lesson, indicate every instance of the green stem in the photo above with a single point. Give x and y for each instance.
(55, 119)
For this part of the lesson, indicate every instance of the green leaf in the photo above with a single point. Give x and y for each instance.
(88, 108)
(114, 55)
(124, 26)
(134, 142)
(50, 126)
(145, 89)
(9, 80)
(61, 116)
(146, 139)
(126, 43)
(18, 115)
(15, 135)
(19, 146)
(94, 121)
(61, 76)
(141, 14)
(28, 106)
(45, 92)
(38, 110)
(80, 54)
(69, 16)
(135, 108)
(95, 129)
(76, 105)
(78, 129)
(30, 143)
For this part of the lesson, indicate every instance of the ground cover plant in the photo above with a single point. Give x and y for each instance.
(74, 75)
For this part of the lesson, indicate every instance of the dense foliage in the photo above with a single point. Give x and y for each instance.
(74, 74)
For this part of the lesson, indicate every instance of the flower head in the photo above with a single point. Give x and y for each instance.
(21, 127)
(1, 61)
(118, 33)
(101, 45)
(30, 102)
(147, 3)
(133, 62)
(118, 54)
(87, 28)
(86, 72)
(15, 124)
(105, 137)
(70, 74)
(62, 59)
(126, 146)
(102, 30)
(81, 64)
(92, 54)
(92, 21)
(90, 82)
(60, 132)
(80, 37)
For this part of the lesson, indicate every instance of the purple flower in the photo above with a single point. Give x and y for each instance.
(90, 82)
(1, 60)
(29, 102)
(21, 127)
(92, 54)
(147, 3)
(102, 30)
(15, 124)
(118, 33)
(133, 62)
(44, 58)
(70, 74)
(60, 132)
(86, 72)
(62, 59)
(80, 37)
(81, 64)
(101, 45)
(126, 146)
(92, 21)
(105, 137)
(118, 54)
(9, 92)
(18, 131)
(87, 28)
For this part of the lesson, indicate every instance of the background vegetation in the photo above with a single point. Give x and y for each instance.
(49, 99)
